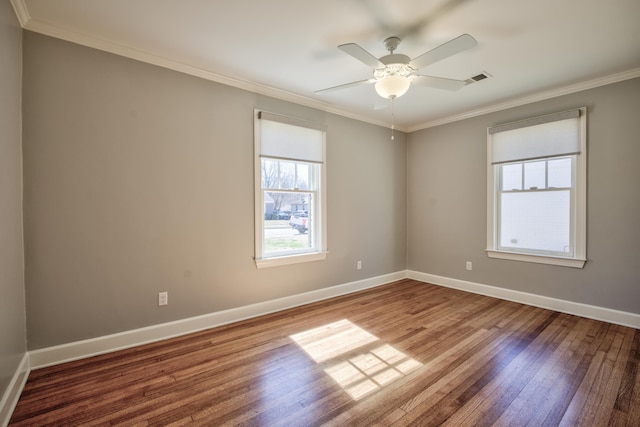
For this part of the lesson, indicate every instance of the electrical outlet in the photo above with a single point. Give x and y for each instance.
(359, 265)
(163, 298)
(469, 265)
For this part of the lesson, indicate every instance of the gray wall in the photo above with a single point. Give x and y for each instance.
(12, 306)
(139, 179)
(447, 203)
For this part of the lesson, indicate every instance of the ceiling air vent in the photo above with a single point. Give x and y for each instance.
(478, 77)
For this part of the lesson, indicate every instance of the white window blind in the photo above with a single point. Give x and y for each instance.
(537, 189)
(287, 138)
(547, 136)
(290, 190)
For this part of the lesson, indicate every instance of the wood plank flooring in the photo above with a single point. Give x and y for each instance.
(407, 353)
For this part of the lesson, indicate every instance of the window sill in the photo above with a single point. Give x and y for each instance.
(539, 259)
(291, 259)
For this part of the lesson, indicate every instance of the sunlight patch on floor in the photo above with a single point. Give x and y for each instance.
(357, 360)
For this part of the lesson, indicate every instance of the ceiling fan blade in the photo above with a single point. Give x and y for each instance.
(450, 48)
(346, 85)
(361, 55)
(439, 82)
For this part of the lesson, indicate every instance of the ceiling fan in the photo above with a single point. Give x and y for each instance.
(394, 73)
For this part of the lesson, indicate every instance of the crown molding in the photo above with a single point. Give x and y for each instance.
(20, 8)
(541, 96)
(48, 29)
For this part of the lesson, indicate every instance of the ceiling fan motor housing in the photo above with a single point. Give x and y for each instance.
(395, 64)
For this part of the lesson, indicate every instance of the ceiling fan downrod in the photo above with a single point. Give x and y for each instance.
(391, 43)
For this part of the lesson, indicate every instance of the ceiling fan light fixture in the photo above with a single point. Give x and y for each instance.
(393, 86)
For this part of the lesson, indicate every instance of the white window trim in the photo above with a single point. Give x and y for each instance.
(580, 216)
(290, 259)
(320, 214)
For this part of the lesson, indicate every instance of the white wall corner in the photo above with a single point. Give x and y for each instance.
(604, 314)
(12, 393)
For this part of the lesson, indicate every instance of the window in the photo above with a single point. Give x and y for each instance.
(290, 184)
(536, 194)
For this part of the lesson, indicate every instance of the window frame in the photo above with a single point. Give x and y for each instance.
(578, 205)
(318, 230)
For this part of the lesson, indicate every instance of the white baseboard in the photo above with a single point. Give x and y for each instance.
(590, 311)
(12, 393)
(105, 344)
(100, 345)
(91, 347)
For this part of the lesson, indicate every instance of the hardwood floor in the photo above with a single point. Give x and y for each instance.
(406, 353)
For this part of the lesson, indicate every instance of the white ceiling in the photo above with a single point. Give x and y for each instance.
(288, 48)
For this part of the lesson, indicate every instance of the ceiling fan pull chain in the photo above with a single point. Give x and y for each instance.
(393, 100)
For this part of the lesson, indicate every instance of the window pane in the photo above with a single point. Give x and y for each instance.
(269, 173)
(534, 175)
(560, 173)
(291, 232)
(303, 176)
(277, 205)
(538, 221)
(287, 175)
(512, 177)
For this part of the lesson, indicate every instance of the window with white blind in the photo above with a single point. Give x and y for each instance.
(536, 189)
(290, 212)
